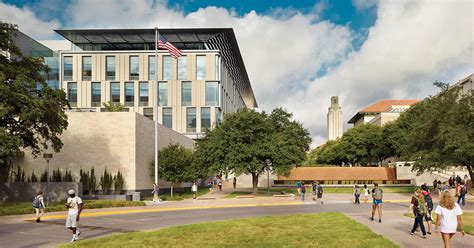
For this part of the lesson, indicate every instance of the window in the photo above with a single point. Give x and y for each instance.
(129, 93)
(143, 92)
(168, 117)
(110, 67)
(218, 67)
(167, 68)
(218, 115)
(182, 66)
(212, 93)
(96, 98)
(191, 120)
(86, 68)
(148, 112)
(205, 118)
(67, 67)
(200, 67)
(72, 93)
(115, 92)
(162, 94)
(186, 94)
(152, 68)
(134, 74)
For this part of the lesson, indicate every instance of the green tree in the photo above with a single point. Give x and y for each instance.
(246, 139)
(113, 107)
(439, 131)
(175, 163)
(31, 113)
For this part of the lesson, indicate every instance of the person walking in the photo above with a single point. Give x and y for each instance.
(209, 185)
(425, 192)
(234, 183)
(194, 189)
(155, 192)
(298, 188)
(356, 194)
(377, 196)
(435, 184)
(461, 192)
(219, 183)
(448, 218)
(451, 182)
(303, 191)
(420, 210)
(319, 193)
(75, 206)
(38, 205)
(366, 193)
(314, 189)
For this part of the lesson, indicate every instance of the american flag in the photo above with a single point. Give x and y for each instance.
(165, 44)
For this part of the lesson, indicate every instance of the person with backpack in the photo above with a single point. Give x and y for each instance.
(319, 193)
(461, 192)
(38, 205)
(377, 195)
(420, 210)
(356, 194)
(298, 188)
(303, 191)
(429, 203)
(314, 188)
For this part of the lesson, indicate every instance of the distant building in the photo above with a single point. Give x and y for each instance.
(334, 119)
(381, 112)
(466, 84)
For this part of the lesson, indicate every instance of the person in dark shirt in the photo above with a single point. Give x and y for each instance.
(415, 206)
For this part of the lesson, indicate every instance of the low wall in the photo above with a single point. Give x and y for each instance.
(21, 192)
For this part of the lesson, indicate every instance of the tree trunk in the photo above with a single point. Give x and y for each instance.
(255, 182)
(172, 190)
(471, 173)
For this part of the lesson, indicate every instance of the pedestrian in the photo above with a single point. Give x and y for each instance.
(156, 192)
(234, 183)
(209, 185)
(425, 192)
(298, 188)
(366, 193)
(38, 205)
(303, 191)
(461, 192)
(194, 189)
(420, 210)
(377, 196)
(448, 218)
(319, 192)
(74, 205)
(356, 194)
(219, 183)
(451, 182)
(314, 189)
(458, 179)
(435, 184)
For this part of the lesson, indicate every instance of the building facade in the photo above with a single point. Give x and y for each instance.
(189, 94)
(334, 119)
(381, 112)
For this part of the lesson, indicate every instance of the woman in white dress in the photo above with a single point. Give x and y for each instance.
(448, 218)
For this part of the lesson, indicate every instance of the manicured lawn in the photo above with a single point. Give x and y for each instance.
(7, 208)
(178, 196)
(346, 190)
(467, 217)
(306, 230)
(239, 193)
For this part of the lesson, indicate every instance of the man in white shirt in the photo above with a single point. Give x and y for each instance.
(194, 189)
(74, 205)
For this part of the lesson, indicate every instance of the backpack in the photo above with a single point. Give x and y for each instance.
(303, 189)
(378, 194)
(36, 202)
(320, 189)
(428, 200)
(463, 190)
(422, 207)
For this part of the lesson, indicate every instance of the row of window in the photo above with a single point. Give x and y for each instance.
(211, 93)
(134, 68)
(167, 117)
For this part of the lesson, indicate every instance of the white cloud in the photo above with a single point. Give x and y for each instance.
(27, 21)
(364, 4)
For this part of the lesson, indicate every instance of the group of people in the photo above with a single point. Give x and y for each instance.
(316, 188)
(216, 181)
(448, 214)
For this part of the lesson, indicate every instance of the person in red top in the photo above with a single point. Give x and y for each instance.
(415, 206)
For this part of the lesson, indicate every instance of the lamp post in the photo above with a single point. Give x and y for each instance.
(268, 162)
(47, 156)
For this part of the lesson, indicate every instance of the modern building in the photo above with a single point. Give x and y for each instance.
(334, 119)
(188, 94)
(381, 112)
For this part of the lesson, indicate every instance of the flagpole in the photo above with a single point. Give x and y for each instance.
(155, 106)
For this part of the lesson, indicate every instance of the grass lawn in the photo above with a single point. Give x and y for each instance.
(346, 190)
(467, 218)
(7, 208)
(178, 196)
(305, 230)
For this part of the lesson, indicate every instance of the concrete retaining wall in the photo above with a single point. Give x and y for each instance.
(20, 192)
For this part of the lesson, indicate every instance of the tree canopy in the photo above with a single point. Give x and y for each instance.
(31, 113)
(246, 139)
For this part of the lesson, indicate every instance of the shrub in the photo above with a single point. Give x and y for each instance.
(33, 177)
(44, 176)
(68, 176)
(106, 181)
(57, 176)
(92, 182)
(18, 176)
(119, 182)
(84, 179)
